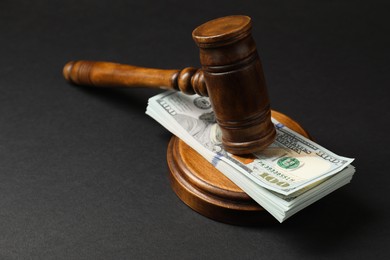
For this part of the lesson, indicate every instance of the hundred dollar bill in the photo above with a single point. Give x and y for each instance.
(283, 207)
(288, 165)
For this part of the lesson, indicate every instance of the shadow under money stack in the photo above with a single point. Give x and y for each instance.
(289, 175)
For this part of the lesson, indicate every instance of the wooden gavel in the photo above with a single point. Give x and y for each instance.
(231, 75)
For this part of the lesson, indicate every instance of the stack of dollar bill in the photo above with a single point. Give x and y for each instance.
(289, 175)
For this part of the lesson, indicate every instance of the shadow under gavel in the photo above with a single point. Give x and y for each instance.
(231, 75)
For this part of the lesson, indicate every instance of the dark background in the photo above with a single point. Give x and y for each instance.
(83, 173)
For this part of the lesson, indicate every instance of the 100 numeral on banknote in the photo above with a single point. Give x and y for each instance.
(291, 163)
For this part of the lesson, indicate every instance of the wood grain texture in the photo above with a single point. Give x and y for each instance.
(231, 75)
(236, 84)
(108, 74)
(206, 190)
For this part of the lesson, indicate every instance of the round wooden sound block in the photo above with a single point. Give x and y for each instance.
(206, 190)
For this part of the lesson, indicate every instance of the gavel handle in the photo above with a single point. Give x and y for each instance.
(108, 74)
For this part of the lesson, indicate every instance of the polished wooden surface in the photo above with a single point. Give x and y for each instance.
(206, 190)
(231, 75)
(234, 76)
(109, 74)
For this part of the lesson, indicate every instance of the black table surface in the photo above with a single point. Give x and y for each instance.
(83, 171)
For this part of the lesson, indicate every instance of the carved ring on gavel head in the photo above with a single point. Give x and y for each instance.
(231, 75)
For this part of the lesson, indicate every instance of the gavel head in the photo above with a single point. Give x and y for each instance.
(235, 83)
